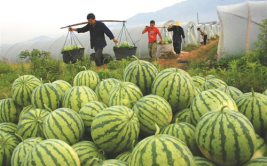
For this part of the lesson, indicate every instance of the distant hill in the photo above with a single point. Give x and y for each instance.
(39, 38)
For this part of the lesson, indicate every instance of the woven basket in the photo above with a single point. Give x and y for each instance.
(124, 52)
(73, 55)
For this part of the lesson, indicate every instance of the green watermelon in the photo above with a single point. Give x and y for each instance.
(63, 85)
(124, 93)
(22, 89)
(52, 152)
(31, 123)
(213, 83)
(201, 161)
(47, 94)
(261, 150)
(114, 128)
(261, 161)
(89, 111)
(161, 149)
(25, 109)
(183, 116)
(198, 81)
(197, 90)
(254, 106)
(9, 110)
(64, 124)
(87, 78)
(142, 73)
(8, 127)
(231, 91)
(226, 137)
(110, 162)
(176, 86)
(104, 87)
(208, 100)
(77, 96)
(125, 156)
(87, 150)
(152, 109)
(22, 149)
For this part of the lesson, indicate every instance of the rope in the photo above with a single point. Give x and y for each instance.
(140, 44)
(126, 32)
(72, 38)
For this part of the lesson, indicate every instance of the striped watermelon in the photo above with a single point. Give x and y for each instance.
(210, 76)
(197, 90)
(31, 123)
(8, 143)
(22, 89)
(231, 91)
(152, 109)
(185, 132)
(124, 93)
(208, 100)
(183, 116)
(226, 137)
(198, 81)
(89, 111)
(25, 109)
(47, 94)
(22, 149)
(52, 152)
(77, 96)
(161, 149)
(8, 127)
(201, 161)
(110, 162)
(261, 150)
(87, 78)
(114, 128)
(213, 83)
(142, 73)
(254, 106)
(124, 156)
(9, 111)
(103, 88)
(265, 92)
(261, 161)
(176, 86)
(64, 124)
(87, 150)
(63, 85)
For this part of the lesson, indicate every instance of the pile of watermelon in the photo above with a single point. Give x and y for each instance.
(165, 118)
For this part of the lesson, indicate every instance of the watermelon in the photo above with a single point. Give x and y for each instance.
(47, 94)
(104, 87)
(25, 109)
(22, 89)
(254, 106)
(226, 137)
(87, 78)
(210, 76)
(261, 161)
(8, 143)
(52, 152)
(183, 116)
(64, 124)
(8, 127)
(142, 73)
(124, 93)
(63, 85)
(110, 162)
(77, 96)
(198, 81)
(201, 161)
(31, 123)
(208, 100)
(231, 91)
(161, 149)
(176, 86)
(9, 110)
(89, 111)
(261, 150)
(197, 90)
(213, 83)
(22, 149)
(87, 150)
(124, 156)
(114, 128)
(152, 109)
(265, 92)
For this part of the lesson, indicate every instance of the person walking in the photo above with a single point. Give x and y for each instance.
(97, 38)
(203, 33)
(178, 34)
(152, 39)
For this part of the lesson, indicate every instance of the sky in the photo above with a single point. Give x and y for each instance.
(22, 20)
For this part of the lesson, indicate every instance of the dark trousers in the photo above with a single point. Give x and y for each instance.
(177, 47)
(99, 57)
(205, 39)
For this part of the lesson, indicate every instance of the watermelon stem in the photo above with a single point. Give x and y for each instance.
(222, 109)
(47, 108)
(5, 95)
(177, 120)
(252, 91)
(133, 144)
(93, 160)
(101, 150)
(136, 58)
(157, 130)
(19, 137)
(84, 68)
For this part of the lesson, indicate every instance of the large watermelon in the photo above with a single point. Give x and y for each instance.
(231, 91)
(254, 106)
(261, 161)
(125, 156)
(176, 86)
(104, 87)
(52, 152)
(87, 78)
(63, 85)
(183, 116)
(213, 83)
(114, 128)
(201, 161)
(47, 94)
(198, 81)
(64, 124)
(124, 93)
(22, 89)
(9, 110)
(24, 110)
(110, 162)
(142, 73)
(208, 100)
(226, 137)
(77, 96)
(261, 150)
(152, 109)
(8, 127)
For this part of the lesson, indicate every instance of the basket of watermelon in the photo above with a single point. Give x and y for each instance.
(124, 50)
(72, 53)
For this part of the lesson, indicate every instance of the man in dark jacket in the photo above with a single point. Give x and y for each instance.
(97, 38)
(178, 34)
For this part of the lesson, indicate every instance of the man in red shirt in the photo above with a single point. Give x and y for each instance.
(152, 39)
